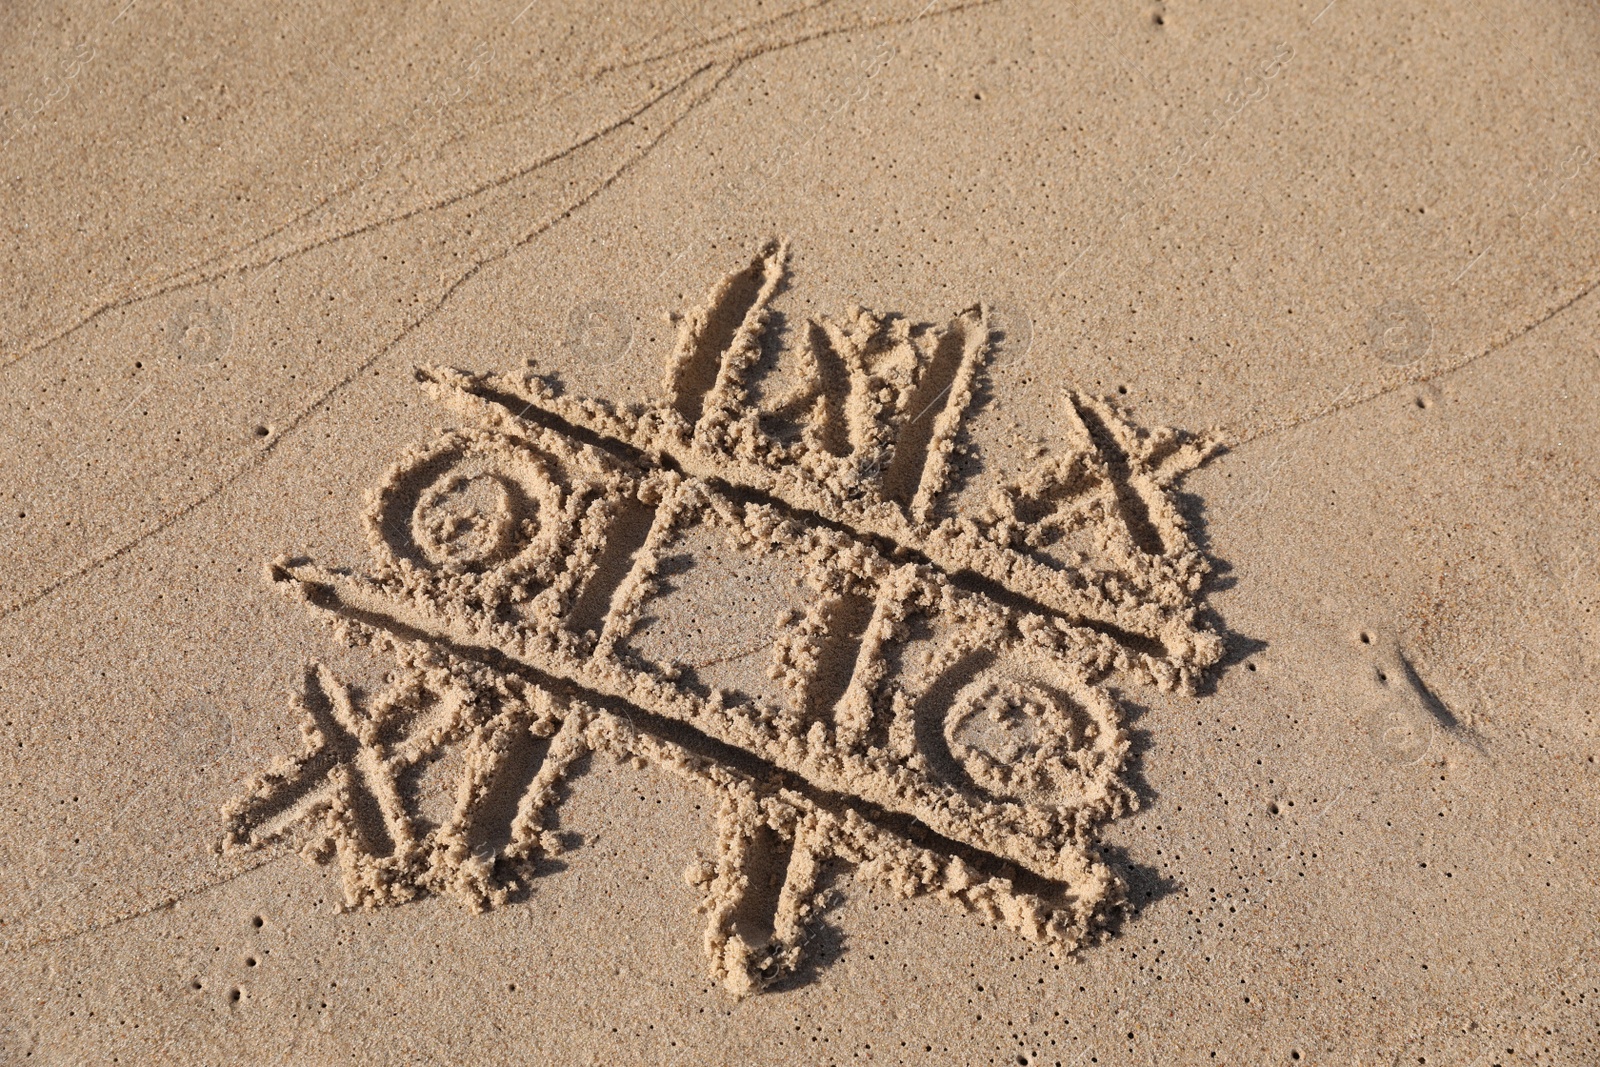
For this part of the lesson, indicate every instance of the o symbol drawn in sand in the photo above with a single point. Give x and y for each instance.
(471, 503)
(466, 520)
(1017, 740)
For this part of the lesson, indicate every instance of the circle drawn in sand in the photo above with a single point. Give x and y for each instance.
(466, 519)
(1016, 740)
(1400, 332)
(599, 333)
(200, 331)
(471, 503)
(1399, 734)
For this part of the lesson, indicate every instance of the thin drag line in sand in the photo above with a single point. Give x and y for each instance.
(77, 456)
(176, 282)
(1511, 338)
(140, 913)
(931, 403)
(258, 459)
(805, 37)
(1062, 273)
(774, 162)
(731, 656)
(1584, 289)
(173, 285)
(121, 809)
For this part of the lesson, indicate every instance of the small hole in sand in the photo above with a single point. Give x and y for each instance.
(1123, 389)
(258, 922)
(249, 961)
(262, 431)
(1294, 1054)
(1158, 19)
(1366, 638)
(1249, 666)
(197, 984)
(1272, 809)
(1383, 677)
(1422, 402)
(234, 994)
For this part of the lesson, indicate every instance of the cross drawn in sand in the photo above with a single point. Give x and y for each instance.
(941, 714)
(341, 775)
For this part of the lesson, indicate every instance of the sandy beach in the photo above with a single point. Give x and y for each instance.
(815, 532)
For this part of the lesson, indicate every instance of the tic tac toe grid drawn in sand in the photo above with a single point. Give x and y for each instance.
(937, 710)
